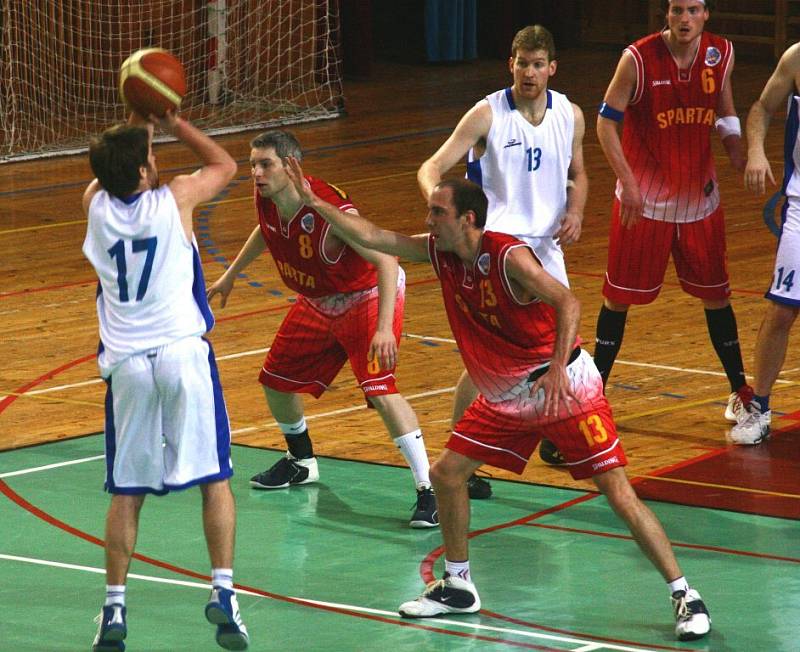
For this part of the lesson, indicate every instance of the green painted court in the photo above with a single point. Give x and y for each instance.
(324, 567)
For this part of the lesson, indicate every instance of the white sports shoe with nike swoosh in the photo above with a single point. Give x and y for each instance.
(449, 595)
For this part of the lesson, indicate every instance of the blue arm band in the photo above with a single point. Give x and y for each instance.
(610, 112)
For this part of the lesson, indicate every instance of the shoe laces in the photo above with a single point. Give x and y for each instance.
(681, 606)
(424, 499)
(753, 412)
(430, 587)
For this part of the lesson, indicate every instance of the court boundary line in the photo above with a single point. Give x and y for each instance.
(387, 617)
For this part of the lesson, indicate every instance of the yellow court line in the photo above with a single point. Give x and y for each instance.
(713, 485)
(353, 182)
(222, 202)
(671, 408)
(683, 406)
(22, 229)
(49, 399)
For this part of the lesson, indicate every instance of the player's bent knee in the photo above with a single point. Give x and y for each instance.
(450, 471)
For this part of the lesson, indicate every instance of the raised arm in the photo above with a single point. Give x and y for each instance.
(354, 229)
(779, 86)
(204, 184)
(470, 130)
(618, 95)
(577, 185)
(530, 280)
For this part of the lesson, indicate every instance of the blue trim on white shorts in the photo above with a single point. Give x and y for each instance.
(221, 418)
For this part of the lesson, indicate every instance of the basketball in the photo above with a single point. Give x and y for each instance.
(152, 81)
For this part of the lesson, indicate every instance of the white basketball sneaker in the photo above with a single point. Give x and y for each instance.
(449, 595)
(736, 409)
(691, 616)
(753, 428)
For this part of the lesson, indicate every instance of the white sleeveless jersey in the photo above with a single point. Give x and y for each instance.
(791, 173)
(151, 290)
(524, 168)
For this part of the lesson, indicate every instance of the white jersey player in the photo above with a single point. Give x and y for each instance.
(525, 146)
(784, 292)
(524, 169)
(166, 423)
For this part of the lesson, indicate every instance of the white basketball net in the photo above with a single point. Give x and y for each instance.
(249, 64)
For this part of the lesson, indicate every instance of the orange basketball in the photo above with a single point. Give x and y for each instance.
(152, 81)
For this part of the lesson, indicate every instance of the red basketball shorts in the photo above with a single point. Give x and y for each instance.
(638, 257)
(311, 347)
(506, 433)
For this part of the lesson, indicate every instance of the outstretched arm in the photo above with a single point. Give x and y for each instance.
(471, 129)
(354, 229)
(223, 286)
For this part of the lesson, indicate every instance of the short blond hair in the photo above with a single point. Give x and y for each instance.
(532, 38)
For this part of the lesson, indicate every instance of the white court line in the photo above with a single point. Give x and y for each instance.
(413, 336)
(238, 431)
(689, 370)
(586, 645)
(94, 381)
(353, 408)
(11, 474)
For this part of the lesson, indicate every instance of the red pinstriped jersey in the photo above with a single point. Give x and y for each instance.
(666, 135)
(500, 339)
(297, 247)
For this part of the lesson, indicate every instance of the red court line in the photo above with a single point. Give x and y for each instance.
(8, 400)
(769, 467)
(545, 628)
(426, 571)
(51, 520)
(16, 293)
(426, 567)
(691, 546)
(432, 279)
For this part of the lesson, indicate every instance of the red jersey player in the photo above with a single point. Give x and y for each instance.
(672, 88)
(516, 328)
(349, 308)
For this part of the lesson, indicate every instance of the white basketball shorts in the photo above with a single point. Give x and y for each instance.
(166, 423)
(550, 254)
(785, 286)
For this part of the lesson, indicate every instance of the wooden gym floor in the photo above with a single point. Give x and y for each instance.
(667, 389)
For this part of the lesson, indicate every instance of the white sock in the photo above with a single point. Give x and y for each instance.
(115, 594)
(222, 578)
(678, 585)
(293, 428)
(458, 569)
(412, 446)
